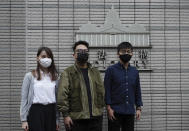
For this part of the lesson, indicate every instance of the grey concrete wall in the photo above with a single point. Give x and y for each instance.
(53, 23)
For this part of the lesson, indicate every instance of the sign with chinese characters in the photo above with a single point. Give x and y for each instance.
(104, 39)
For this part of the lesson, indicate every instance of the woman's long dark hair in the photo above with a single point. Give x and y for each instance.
(51, 69)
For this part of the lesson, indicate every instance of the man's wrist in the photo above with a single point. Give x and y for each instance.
(65, 114)
(139, 108)
(108, 107)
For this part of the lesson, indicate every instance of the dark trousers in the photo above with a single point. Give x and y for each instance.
(123, 122)
(42, 117)
(94, 124)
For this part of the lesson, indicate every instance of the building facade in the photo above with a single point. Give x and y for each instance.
(162, 56)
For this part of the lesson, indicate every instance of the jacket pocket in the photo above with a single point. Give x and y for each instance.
(75, 100)
(99, 102)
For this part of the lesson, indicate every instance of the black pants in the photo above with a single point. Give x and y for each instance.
(125, 122)
(42, 117)
(94, 124)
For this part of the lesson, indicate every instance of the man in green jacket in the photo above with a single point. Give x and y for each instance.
(81, 93)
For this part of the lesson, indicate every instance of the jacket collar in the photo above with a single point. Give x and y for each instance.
(89, 66)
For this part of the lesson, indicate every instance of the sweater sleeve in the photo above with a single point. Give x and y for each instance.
(24, 97)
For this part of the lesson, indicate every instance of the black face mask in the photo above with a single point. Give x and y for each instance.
(125, 58)
(82, 57)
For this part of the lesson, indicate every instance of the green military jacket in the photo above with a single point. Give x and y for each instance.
(72, 99)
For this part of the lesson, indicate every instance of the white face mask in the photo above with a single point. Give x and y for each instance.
(45, 62)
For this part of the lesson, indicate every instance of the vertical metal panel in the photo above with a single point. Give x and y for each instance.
(12, 61)
(5, 67)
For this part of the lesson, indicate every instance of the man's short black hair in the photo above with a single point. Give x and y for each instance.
(80, 43)
(124, 45)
